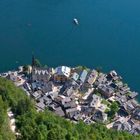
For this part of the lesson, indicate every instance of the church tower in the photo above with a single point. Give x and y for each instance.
(33, 61)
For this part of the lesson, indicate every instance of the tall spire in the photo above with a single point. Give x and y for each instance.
(33, 60)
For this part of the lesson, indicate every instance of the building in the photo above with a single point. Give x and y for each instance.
(106, 90)
(113, 76)
(96, 101)
(40, 74)
(58, 111)
(101, 79)
(70, 104)
(87, 111)
(133, 95)
(69, 91)
(75, 76)
(37, 94)
(48, 87)
(83, 76)
(71, 112)
(62, 74)
(92, 77)
(99, 116)
(136, 113)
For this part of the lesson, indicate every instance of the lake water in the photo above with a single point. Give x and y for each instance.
(108, 34)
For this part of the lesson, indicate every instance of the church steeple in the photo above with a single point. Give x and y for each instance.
(33, 60)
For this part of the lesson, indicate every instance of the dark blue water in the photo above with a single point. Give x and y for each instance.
(108, 34)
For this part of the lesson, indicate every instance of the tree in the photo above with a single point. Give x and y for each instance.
(23, 106)
(37, 63)
(113, 109)
(5, 131)
(25, 68)
(41, 132)
(99, 69)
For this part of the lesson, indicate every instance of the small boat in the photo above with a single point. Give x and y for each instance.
(76, 21)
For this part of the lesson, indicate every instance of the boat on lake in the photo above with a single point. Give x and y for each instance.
(76, 21)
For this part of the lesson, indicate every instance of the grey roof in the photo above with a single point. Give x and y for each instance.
(121, 99)
(136, 113)
(59, 111)
(119, 84)
(66, 100)
(40, 105)
(88, 121)
(136, 129)
(87, 110)
(83, 75)
(125, 126)
(53, 106)
(134, 102)
(128, 106)
(102, 78)
(34, 85)
(77, 117)
(53, 95)
(47, 87)
(99, 116)
(125, 89)
(47, 100)
(106, 90)
(71, 110)
(69, 91)
(70, 104)
(133, 94)
(37, 94)
(95, 100)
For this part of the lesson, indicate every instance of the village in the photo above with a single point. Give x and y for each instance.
(81, 94)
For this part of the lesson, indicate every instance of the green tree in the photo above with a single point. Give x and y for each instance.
(37, 63)
(99, 69)
(23, 106)
(113, 109)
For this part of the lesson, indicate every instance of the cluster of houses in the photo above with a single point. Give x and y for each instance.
(81, 94)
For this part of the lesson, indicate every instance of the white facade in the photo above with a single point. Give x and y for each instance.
(63, 70)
